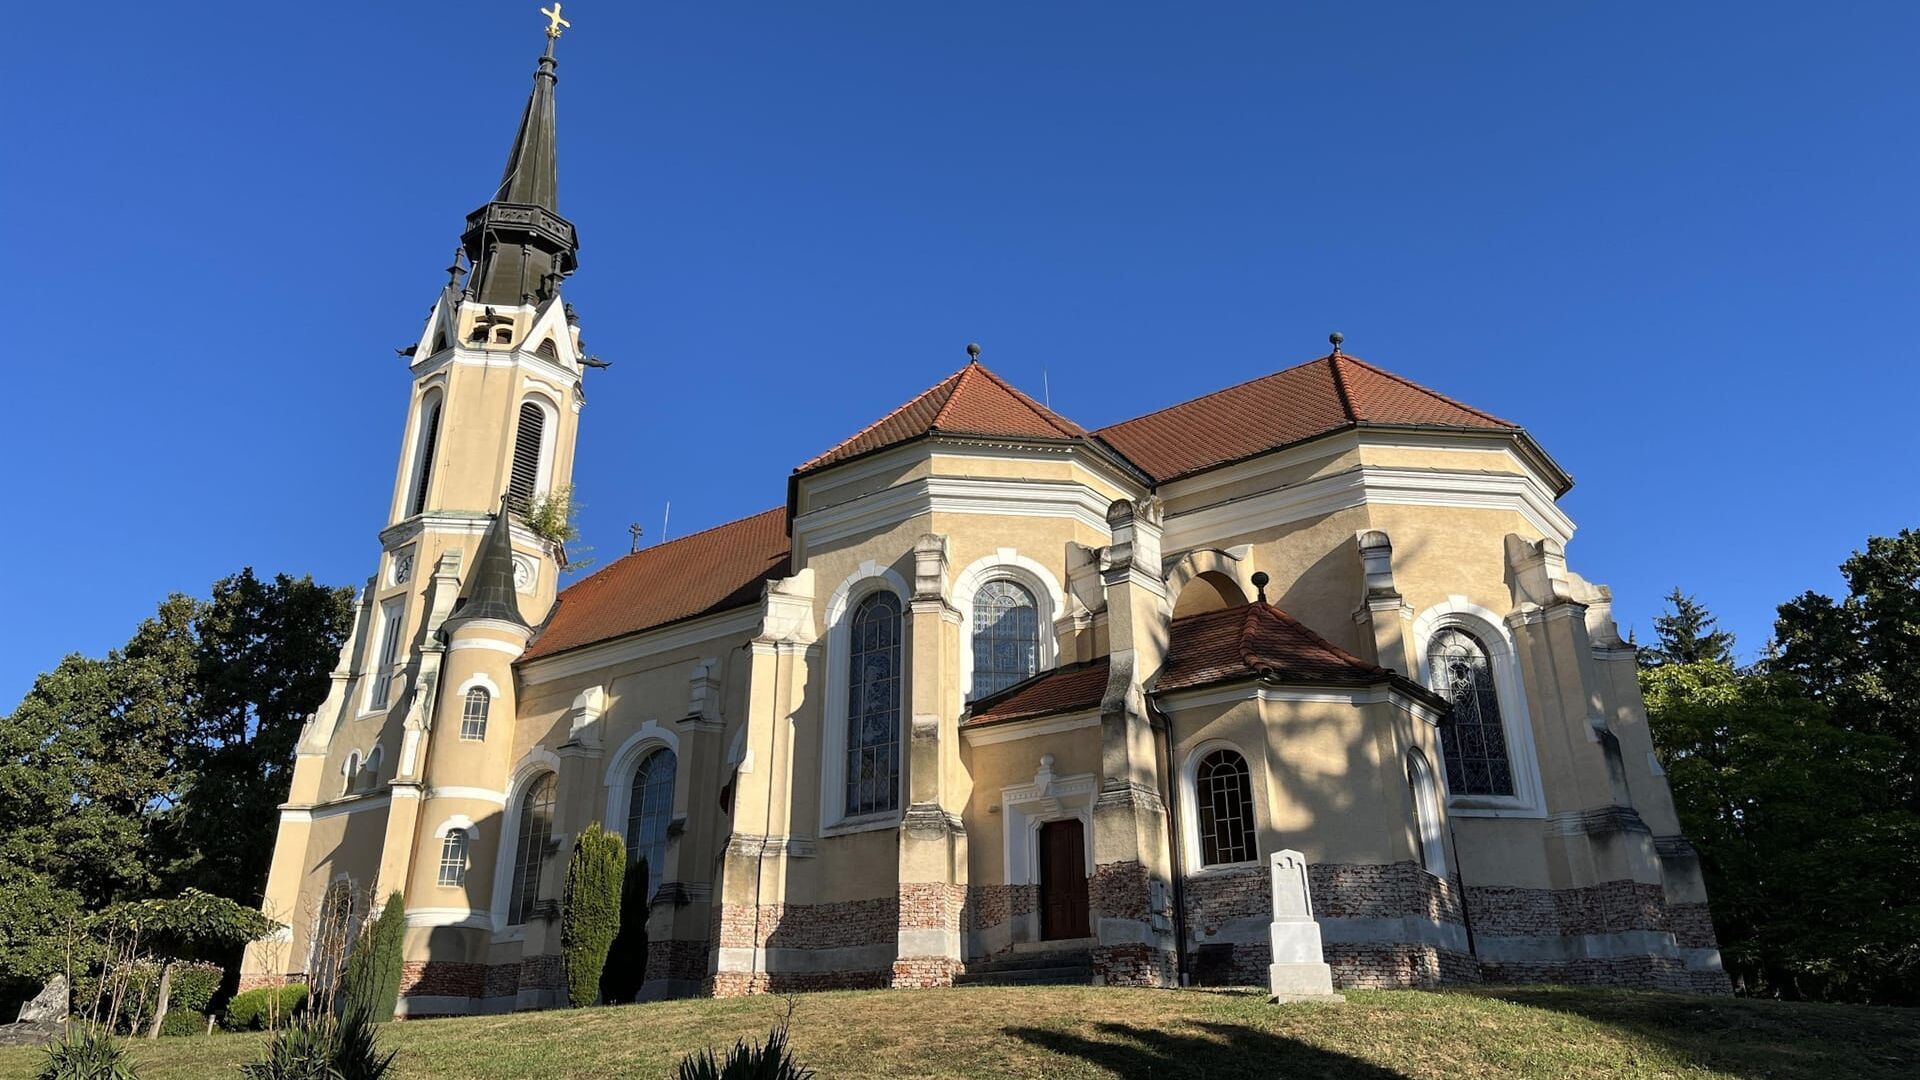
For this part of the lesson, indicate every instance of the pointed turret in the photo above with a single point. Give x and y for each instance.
(518, 243)
(491, 593)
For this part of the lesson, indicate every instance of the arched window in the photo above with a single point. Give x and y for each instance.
(1473, 741)
(453, 859)
(873, 707)
(536, 828)
(350, 772)
(1006, 636)
(370, 769)
(1426, 814)
(1224, 791)
(332, 938)
(473, 713)
(524, 481)
(650, 811)
(429, 443)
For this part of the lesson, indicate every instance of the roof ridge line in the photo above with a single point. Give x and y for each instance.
(669, 543)
(903, 407)
(1210, 393)
(1423, 388)
(959, 380)
(1340, 388)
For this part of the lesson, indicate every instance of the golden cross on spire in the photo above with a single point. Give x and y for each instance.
(555, 23)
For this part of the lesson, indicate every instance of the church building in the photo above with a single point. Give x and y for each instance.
(988, 695)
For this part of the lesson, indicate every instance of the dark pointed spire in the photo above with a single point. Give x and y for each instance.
(518, 243)
(490, 590)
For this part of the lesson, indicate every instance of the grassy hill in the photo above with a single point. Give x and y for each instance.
(1062, 1032)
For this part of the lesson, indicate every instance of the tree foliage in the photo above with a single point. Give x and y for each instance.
(374, 966)
(590, 910)
(1795, 781)
(1687, 634)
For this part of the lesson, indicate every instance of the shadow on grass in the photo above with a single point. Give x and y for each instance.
(1224, 1051)
(1756, 1039)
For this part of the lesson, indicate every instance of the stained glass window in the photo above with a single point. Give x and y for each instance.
(649, 813)
(1006, 636)
(536, 828)
(873, 707)
(1473, 740)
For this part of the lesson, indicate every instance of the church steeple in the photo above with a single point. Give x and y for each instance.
(518, 243)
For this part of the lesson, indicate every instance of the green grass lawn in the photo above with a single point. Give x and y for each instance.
(1061, 1032)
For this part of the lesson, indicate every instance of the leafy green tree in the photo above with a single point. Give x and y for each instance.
(374, 966)
(263, 651)
(626, 970)
(1860, 655)
(590, 910)
(1687, 634)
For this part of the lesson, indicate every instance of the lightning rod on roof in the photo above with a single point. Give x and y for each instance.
(1336, 338)
(665, 516)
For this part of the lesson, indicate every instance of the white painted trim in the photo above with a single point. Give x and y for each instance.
(448, 916)
(951, 495)
(1007, 564)
(478, 794)
(1252, 690)
(1026, 807)
(1190, 797)
(868, 578)
(620, 768)
(457, 821)
(1223, 523)
(538, 762)
(1015, 730)
(480, 679)
(1491, 630)
(487, 643)
(638, 646)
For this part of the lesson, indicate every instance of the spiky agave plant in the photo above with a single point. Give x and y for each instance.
(771, 1060)
(88, 1052)
(320, 1046)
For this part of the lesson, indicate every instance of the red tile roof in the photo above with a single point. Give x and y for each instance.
(1074, 688)
(1256, 640)
(971, 401)
(1280, 409)
(699, 574)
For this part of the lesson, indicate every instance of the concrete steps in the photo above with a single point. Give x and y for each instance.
(1068, 963)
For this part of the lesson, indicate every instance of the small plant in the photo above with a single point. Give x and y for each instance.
(590, 910)
(182, 1022)
(265, 1007)
(554, 517)
(771, 1060)
(372, 983)
(88, 1052)
(318, 1045)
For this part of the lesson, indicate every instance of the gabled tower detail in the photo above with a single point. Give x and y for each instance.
(426, 678)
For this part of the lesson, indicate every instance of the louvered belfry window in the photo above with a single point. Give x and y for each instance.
(1474, 740)
(526, 453)
(1224, 790)
(430, 442)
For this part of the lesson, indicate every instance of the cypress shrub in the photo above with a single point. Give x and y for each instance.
(373, 968)
(590, 910)
(626, 968)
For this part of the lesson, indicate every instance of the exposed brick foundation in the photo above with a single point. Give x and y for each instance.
(738, 983)
(443, 978)
(1396, 967)
(808, 926)
(1591, 909)
(681, 961)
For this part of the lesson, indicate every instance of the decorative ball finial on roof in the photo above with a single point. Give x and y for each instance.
(973, 350)
(1260, 580)
(1336, 338)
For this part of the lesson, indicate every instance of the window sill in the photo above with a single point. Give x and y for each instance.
(866, 823)
(1492, 806)
(1223, 869)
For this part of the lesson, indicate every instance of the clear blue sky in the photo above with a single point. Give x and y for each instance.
(1680, 242)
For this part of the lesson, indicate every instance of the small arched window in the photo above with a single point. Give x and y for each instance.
(1224, 791)
(350, 772)
(1473, 740)
(1426, 814)
(370, 769)
(873, 707)
(429, 444)
(530, 851)
(524, 481)
(473, 713)
(650, 812)
(1006, 636)
(453, 859)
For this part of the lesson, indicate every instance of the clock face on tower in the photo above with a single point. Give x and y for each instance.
(522, 573)
(403, 567)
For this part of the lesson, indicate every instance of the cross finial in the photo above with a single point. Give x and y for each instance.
(555, 23)
(634, 530)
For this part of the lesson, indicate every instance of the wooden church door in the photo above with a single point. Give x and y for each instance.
(1063, 880)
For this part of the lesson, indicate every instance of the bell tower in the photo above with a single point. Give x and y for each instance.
(424, 685)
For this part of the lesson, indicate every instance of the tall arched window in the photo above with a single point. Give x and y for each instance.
(332, 938)
(1006, 636)
(453, 858)
(1473, 741)
(1426, 814)
(1224, 791)
(527, 442)
(536, 828)
(429, 443)
(650, 811)
(873, 707)
(473, 713)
